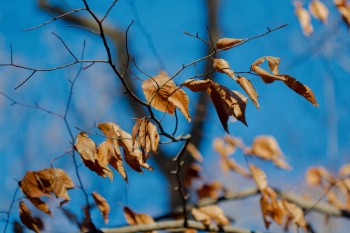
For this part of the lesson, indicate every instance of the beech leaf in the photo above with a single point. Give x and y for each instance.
(197, 85)
(249, 89)
(296, 213)
(215, 213)
(273, 63)
(223, 66)
(319, 10)
(300, 88)
(259, 177)
(27, 219)
(162, 94)
(102, 205)
(36, 184)
(38, 203)
(304, 18)
(227, 43)
(133, 218)
(267, 148)
(344, 10)
(227, 103)
(210, 190)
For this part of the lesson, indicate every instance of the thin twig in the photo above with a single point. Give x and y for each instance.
(10, 208)
(109, 10)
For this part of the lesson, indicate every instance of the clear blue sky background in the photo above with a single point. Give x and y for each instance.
(308, 135)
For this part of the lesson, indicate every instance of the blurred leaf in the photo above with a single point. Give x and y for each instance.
(319, 10)
(133, 218)
(102, 205)
(27, 219)
(304, 18)
(259, 177)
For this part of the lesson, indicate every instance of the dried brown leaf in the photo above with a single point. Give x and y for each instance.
(223, 66)
(227, 43)
(224, 149)
(296, 213)
(344, 10)
(259, 177)
(197, 85)
(273, 63)
(319, 10)
(162, 94)
(227, 164)
(249, 89)
(227, 103)
(267, 148)
(215, 213)
(27, 219)
(38, 203)
(86, 148)
(102, 205)
(210, 190)
(317, 175)
(300, 88)
(192, 172)
(35, 184)
(133, 218)
(304, 18)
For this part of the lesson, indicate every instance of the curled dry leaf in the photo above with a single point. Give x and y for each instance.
(304, 18)
(206, 213)
(197, 85)
(259, 177)
(162, 94)
(38, 203)
(27, 219)
(227, 43)
(249, 89)
(319, 10)
(223, 66)
(102, 205)
(317, 176)
(266, 147)
(300, 88)
(227, 103)
(133, 218)
(273, 63)
(296, 213)
(147, 134)
(227, 164)
(86, 147)
(36, 184)
(224, 149)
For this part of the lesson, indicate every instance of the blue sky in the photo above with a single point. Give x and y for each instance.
(308, 135)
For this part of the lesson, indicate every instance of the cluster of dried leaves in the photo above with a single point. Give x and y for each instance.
(336, 188)
(320, 12)
(136, 148)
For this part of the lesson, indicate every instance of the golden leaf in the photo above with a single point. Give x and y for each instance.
(249, 89)
(304, 18)
(344, 10)
(227, 103)
(259, 177)
(147, 134)
(133, 218)
(315, 176)
(102, 205)
(227, 43)
(27, 219)
(319, 10)
(266, 147)
(197, 85)
(227, 164)
(300, 88)
(224, 149)
(162, 94)
(223, 66)
(273, 63)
